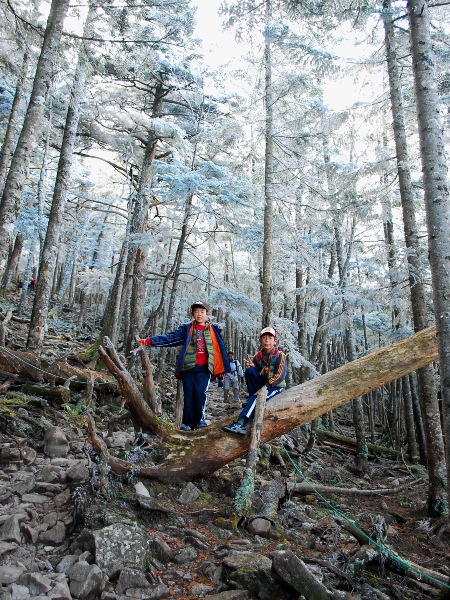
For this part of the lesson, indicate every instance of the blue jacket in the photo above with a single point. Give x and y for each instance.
(182, 337)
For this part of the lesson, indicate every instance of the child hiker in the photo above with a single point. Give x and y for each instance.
(203, 355)
(268, 367)
(231, 379)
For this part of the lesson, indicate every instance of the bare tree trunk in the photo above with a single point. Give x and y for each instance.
(178, 261)
(267, 265)
(32, 125)
(427, 389)
(137, 255)
(70, 261)
(49, 253)
(437, 207)
(13, 261)
(7, 147)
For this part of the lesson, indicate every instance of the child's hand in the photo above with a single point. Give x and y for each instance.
(249, 361)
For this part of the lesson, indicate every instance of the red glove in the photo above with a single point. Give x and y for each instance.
(145, 341)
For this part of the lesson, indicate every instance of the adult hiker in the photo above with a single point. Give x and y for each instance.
(232, 379)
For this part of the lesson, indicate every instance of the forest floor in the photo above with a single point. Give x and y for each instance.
(325, 529)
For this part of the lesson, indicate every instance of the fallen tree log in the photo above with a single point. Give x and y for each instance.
(206, 450)
(307, 488)
(29, 366)
(325, 435)
(58, 394)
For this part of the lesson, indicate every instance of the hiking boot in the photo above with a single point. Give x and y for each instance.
(185, 428)
(202, 423)
(236, 427)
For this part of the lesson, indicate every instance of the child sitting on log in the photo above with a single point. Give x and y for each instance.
(268, 367)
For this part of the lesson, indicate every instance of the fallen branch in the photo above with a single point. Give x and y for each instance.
(141, 413)
(307, 488)
(28, 366)
(325, 435)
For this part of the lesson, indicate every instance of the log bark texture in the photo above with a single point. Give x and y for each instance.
(206, 450)
(28, 365)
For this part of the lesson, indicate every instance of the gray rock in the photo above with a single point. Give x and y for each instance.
(260, 526)
(200, 589)
(252, 571)
(131, 578)
(49, 474)
(56, 535)
(10, 531)
(189, 494)
(161, 550)
(212, 571)
(85, 541)
(50, 518)
(19, 592)
(154, 592)
(36, 498)
(119, 546)
(62, 499)
(28, 455)
(36, 583)
(56, 444)
(61, 591)
(78, 472)
(66, 563)
(186, 555)
(10, 574)
(86, 581)
(230, 595)
(30, 534)
(87, 556)
(7, 548)
(245, 559)
(293, 571)
(23, 482)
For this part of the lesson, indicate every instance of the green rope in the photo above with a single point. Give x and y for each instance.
(48, 372)
(382, 548)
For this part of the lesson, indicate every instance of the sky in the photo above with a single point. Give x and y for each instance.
(220, 47)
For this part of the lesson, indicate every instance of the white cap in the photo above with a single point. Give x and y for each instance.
(268, 330)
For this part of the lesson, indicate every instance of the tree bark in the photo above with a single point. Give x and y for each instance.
(437, 208)
(31, 129)
(427, 388)
(13, 261)
(50, 250)
(137, 255)
(7, 147)
(206, 450)
(267, 264)
(29, 366)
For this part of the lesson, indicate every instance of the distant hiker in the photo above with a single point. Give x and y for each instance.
(268, 367)
(231, 379)
(203, 355)
(32, 285)
(19, 285)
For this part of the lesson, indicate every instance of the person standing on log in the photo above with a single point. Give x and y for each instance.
(203, 356)
(268, 367)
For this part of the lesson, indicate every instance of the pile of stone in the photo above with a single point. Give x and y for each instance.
(47, 552)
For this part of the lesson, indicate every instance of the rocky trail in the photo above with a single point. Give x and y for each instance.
(69, 529)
